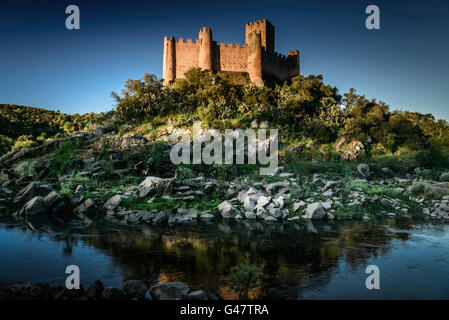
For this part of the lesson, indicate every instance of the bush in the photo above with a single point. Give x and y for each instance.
(246, 277)
(444, 176)
(5, 144)
(434, 157)
(23, 142)
(424, 189)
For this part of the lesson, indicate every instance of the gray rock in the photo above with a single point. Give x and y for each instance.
(34, 207)
(227, 210)
(363, 170)
(95, 290)
(52, 199)
(8, 174)
(271, 219)
(86, 210)
(170, 291)
(155, 186)
(274, 187)
(197, 295)
(30, 191)
(135, 288)
(250, 215)
(314, 211)
(113, 294)
(113, 203)
(79, 190)
(206, 216)
(250, 203)
(298, 204)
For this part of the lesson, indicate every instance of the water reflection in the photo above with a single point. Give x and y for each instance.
(297, 257)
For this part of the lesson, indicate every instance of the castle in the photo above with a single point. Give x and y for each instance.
(257, 57)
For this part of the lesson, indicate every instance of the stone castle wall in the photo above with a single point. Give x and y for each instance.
(257, 56)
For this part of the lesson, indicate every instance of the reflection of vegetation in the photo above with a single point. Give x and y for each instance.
(246, 277)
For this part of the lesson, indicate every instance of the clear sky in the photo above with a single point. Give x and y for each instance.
(42, 64)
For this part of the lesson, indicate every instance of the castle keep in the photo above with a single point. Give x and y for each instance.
(257, 56)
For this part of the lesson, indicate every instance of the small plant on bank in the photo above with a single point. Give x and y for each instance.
(246, 277)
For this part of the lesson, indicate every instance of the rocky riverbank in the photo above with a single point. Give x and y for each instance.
(132, 290)
(97, 176)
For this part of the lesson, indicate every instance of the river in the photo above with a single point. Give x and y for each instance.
(302, 261)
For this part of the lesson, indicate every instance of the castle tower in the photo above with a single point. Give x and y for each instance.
(205, 54)
(266, 29)
(254, 42)
(169, 63)
(293, 58)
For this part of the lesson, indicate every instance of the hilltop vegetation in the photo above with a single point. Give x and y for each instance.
(311, 116)
(22, 127)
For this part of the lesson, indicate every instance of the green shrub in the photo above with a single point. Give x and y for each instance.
(424, 189)
(246, 277)
(444, 176)
(5, 144)
(23, 142)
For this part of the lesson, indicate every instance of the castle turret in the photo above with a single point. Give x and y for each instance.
(169, 64)
(266, 30)
(205, 54)
(255, 58)
(293, 58)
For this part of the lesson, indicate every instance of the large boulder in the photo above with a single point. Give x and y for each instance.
(95, 290)
(155, 186)
(170, 291)
(273, 188)
(31, 191)
(227, 210)
(23, 291)
(88, 209)
(136, 289)
(52, 199)
(197, 295)
(315, 211)
(7, 174)
(113, 203)
(113, 294)
(34, 207)
(363, 170)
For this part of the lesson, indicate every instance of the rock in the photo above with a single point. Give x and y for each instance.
(298, 204)
(86, 210)
(76, 200)
(31, 191)
(363, 170)
(34, 207)
(197, 295)
(426, 211)
(263, 201)
(391, 214)
(328, 193)
(250, 215)
(206, 216)
(52, 199)
(95, 290)
(64, 294)
(272, 188)
(135, 288)
(170, 291)
(155, 186)
(314, 211)
(387, 171)
(8, 174)
(113, 294)
(227, 210)
(113, 203)
(250, 203)
(79, 190)
(271, 219)
(327, 205)
(23, 291)
(330, 185)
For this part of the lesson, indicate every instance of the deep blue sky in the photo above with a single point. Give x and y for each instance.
(405, 64)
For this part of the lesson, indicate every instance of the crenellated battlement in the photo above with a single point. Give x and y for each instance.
(257, 56)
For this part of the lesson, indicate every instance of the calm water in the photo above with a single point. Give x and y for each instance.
(311, 261)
